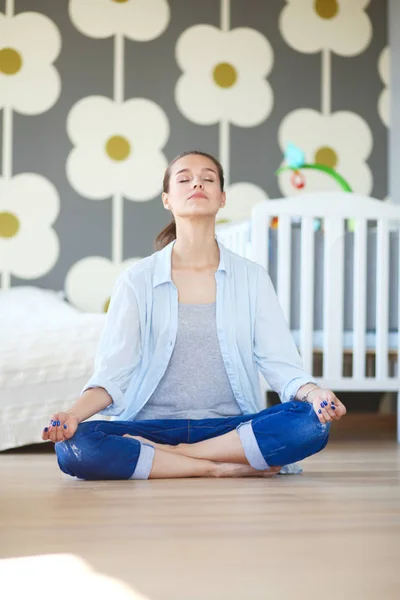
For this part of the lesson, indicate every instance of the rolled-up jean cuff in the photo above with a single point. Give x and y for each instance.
(144, 463)
(251, 447)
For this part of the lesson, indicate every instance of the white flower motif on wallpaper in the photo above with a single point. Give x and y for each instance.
(29, 44)
(240, 200)
(118, 148)
(90, 282)
(224, 76)
(339, 25)
(29, 205)
(384, 98)
(139, 20)
(342, 141)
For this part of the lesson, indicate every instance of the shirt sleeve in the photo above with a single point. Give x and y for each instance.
(276, 354)
(118, 351)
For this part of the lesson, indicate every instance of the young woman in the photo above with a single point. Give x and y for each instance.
(187, 332)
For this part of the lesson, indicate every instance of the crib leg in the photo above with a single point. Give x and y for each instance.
(398, 417)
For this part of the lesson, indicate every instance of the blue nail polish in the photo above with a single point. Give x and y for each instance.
(58, 422)
(325, 403)
(333, 407)
(320, 411)
(46, 429)
(51, 422)
(322, 405)
(65, 427)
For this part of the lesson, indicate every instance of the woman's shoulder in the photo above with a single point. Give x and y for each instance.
(136, 272)
(240, 263)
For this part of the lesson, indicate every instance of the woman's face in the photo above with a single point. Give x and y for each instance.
(194, 188)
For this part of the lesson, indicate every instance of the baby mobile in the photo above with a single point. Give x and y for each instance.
(296, 162)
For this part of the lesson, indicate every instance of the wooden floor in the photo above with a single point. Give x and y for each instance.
(331, 533)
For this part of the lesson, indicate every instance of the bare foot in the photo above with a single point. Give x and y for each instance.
(237, 470)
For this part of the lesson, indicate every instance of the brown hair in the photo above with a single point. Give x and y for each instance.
(168, 234)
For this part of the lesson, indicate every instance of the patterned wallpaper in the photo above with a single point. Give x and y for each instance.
(98, 95)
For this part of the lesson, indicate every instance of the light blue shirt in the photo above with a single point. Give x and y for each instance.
(141, 327)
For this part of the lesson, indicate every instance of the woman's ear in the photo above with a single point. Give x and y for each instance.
(223, 199)
(164, 198)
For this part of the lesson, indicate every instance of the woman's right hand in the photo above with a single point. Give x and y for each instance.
(62, 427)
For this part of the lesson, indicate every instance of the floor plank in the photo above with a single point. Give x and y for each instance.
(332, 532)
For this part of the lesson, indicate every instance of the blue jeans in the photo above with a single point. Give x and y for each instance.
(276, 436)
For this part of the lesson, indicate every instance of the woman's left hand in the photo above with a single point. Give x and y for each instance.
(326, 405)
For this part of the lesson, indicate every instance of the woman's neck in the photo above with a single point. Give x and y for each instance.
(196, 249)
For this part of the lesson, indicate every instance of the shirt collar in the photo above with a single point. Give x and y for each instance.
(162, 272)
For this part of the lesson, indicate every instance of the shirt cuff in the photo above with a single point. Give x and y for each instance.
(290, 390)
(117, 405)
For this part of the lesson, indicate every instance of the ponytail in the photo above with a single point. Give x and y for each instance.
(166, 236)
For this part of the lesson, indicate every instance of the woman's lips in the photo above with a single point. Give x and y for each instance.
(197, 195)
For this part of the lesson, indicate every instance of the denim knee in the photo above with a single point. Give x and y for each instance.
(72, 454)
(289, 434)
(310, 428)
(94, 454)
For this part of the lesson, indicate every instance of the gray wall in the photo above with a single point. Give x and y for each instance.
(41, 144)
(394, 135)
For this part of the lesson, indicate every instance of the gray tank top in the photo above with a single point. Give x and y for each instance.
(195, 384)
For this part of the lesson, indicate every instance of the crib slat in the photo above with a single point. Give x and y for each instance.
(246, 241)
(284, 263)
(359, 297)
(238, 242)
(398, 329)
(242, 240)
(382, 297)
(235, 237)
(307, 293)
(259, 235)
(333, 297)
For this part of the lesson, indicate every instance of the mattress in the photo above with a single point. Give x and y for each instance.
(47, 350)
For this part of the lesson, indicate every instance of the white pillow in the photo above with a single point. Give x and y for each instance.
(31, 304)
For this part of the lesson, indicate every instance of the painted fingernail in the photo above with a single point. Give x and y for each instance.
(46, 429)
(325, 403)
(320, 411)
(333, 407)
(58, 422)
(65, 427)
(51, 422)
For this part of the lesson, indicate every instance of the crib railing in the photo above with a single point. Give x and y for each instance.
(236, 237)
(335, 211)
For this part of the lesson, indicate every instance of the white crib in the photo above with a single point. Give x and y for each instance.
(353, 359)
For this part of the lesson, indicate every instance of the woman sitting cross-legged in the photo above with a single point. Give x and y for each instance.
(187, 332)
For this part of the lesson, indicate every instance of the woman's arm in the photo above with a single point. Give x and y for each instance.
(63, 425)
(118, 352)
(279, 361)
(274, 348)
(92, 401)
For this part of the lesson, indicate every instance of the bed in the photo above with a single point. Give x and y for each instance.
(47, 350)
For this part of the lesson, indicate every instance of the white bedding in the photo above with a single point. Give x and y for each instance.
(47, 350)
